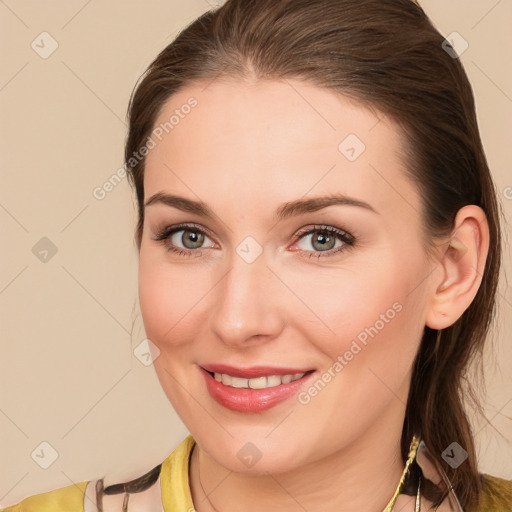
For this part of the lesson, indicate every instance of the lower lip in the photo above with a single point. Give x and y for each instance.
(252, 400)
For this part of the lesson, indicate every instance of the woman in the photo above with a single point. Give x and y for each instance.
(319, 244)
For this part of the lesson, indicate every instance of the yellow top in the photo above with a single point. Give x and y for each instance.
(176, 497)
(174, 483)
(65, 499)
(174, 487)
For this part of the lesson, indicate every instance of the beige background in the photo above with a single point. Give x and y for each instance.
(68, 374)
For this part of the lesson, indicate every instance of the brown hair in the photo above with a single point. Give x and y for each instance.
(387, 55)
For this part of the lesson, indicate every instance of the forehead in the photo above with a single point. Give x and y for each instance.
(288, 138)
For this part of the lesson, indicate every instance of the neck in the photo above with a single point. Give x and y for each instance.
(361, 476)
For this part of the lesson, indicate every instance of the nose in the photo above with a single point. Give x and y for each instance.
(248, 304)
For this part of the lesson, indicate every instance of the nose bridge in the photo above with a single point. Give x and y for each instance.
(245, 303)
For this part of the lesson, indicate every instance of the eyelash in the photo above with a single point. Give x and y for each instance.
(347, 239)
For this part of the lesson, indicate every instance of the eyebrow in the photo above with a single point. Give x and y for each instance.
(285, 210)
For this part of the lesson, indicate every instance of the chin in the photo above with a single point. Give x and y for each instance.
(257, 457)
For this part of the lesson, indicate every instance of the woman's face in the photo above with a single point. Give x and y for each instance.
(278, 275)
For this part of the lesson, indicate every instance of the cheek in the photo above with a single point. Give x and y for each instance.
(169, 298)
(377, 321)
(375, 314)
(167, 302)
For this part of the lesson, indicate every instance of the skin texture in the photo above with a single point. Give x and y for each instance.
(245, 149)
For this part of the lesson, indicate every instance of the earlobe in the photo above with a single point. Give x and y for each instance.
(462, 263)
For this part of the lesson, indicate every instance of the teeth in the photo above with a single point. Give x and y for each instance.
(272, 380)
(238, 382)
(258, 382)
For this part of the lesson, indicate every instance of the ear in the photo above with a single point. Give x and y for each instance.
(460, 268)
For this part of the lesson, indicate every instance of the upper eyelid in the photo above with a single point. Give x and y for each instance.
(312, 227)
(323, 227)
(171, 229)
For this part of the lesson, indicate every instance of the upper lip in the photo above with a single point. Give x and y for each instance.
(252, 371)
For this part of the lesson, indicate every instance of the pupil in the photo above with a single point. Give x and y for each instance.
(194, 239)
(324, 240)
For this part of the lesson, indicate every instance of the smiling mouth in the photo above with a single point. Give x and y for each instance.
(253, 389)
(263, 382)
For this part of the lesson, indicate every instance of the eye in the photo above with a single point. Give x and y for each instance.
(325, 241)
(183, 239)
(188, 240)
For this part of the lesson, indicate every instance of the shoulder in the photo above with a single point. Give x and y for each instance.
(496, 495)
(81, 497)
(64, 499)
(165, 487)
(143, 493)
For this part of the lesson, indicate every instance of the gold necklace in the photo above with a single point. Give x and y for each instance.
(413, 448)
(389, 507)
